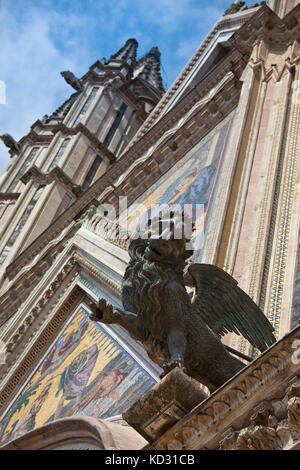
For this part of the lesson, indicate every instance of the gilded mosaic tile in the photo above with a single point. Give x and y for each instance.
(86, 371)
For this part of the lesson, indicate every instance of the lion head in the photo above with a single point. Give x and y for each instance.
(154, 262)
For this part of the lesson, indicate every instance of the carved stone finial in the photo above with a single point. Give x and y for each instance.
(236, 6)
(11, 143)
(72, 80)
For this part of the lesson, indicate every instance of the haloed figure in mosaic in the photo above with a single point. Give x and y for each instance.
(74, 378)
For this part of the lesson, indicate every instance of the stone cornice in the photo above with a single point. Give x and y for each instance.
(89, 267)
(33, 138)
(223, 23)
(124, 91)
(276, 32)
(9, 196)
(217, 103)
(45, 139)
(204, 427)
(56, 174)
(92, 138)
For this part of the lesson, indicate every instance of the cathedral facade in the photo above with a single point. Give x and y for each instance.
(224, 136)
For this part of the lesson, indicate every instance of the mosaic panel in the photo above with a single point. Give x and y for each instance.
(85, 372)
(193, 180)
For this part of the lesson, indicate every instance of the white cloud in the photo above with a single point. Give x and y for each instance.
(41, 38)
(30, 65)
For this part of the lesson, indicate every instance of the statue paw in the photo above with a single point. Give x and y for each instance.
(102, 311)
(170, 365)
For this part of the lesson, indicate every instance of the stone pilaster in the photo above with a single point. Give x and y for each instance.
(258, 246)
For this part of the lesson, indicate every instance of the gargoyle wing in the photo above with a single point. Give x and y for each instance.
(225, 307)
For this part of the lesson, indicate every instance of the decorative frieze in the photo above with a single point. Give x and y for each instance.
(261, 403)
(274, 424)
(266, 25)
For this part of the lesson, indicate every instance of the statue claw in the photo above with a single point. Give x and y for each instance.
(102, 311)
(170, 365)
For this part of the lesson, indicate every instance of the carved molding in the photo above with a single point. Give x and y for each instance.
(33, 138)
(56, 174)
(42, 302)
(266, 25)
(19, 291)
(107, 229)
(41, 139)
(9, 196)
(235, 401)
(274, 425)
(115, 287)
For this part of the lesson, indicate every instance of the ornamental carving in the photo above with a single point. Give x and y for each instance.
(258, 408)
(274, 425)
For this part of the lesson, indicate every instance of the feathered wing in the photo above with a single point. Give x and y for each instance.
(225, 307)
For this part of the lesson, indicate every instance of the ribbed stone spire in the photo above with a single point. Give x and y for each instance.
(127, 53)
(148, 69)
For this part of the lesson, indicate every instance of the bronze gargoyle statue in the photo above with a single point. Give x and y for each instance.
(176, 331)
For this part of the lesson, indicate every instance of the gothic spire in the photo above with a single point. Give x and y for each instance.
(127, 53)
(148, 69)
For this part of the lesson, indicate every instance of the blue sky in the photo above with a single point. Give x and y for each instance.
(40, 38)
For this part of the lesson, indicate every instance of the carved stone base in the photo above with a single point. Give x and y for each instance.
(258, 409)
(164, 405)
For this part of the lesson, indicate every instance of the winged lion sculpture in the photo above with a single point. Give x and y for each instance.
(178, 331)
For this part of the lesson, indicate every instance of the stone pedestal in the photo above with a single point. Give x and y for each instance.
(258, 409)
(164, 405)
